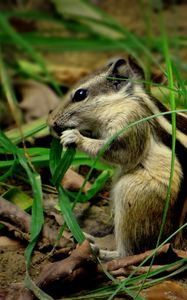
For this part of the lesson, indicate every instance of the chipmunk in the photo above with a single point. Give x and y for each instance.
(97, 108)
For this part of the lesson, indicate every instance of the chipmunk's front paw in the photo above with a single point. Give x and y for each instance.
(70, 136)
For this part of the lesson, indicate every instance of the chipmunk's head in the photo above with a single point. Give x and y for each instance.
(85, 106)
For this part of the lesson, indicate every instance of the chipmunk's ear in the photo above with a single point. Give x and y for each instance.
(135, 68)
(122, 68)
(118, 67)
(115, 61)
(118, 73)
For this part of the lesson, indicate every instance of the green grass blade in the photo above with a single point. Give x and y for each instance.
(29, 14)
(10, 171)
(35, 181)
(30, 284)
(68, 215)
(58, 168)
(8, 91)
(36, 127)
(63, 165)
(18, 197)
(8, 146)
(37, 207)
(181, 85)
(25, 46)
(55, 154)
(96, 186)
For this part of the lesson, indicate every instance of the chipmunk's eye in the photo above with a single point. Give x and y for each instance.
(80, 95)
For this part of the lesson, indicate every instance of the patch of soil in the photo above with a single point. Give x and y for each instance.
(93, 219)
(12, 265)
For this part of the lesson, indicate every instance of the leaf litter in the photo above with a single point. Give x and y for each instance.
(68, 269)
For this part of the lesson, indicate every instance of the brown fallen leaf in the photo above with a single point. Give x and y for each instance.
(10, 243)
(19, 221)
(37, 99)
(123, 262)
(180, 253)
(124, 266)
(69, 274)
(167, 290)
(73, 181)
(50, 234)
(126, 271)
(12, 213)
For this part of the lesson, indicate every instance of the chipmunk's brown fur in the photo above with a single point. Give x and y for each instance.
(93, 112)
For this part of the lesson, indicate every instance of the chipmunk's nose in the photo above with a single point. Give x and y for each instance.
(57, 129)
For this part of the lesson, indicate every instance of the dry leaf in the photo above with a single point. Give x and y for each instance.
(37, 99)
(125, 265)
(73, 181)
(167, 290)
(19, 221)
(164, 254)
(6, 242)
(65, 275)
